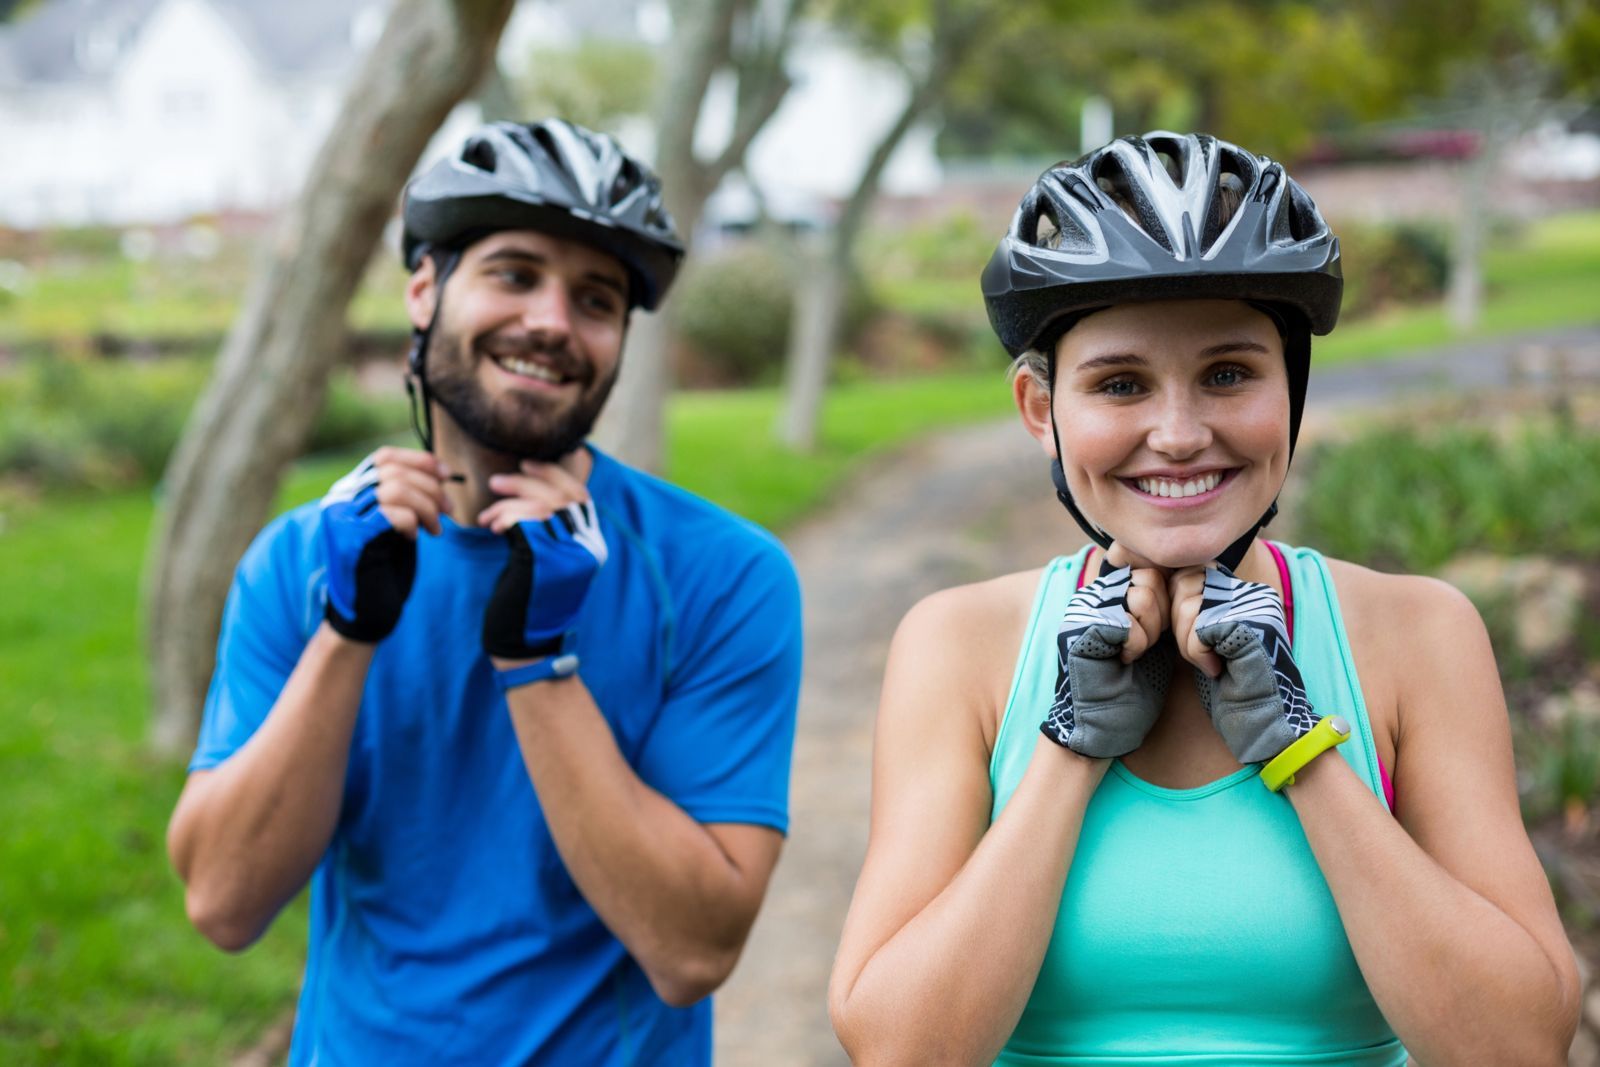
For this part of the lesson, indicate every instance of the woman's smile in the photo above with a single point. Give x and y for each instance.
(1180, 489)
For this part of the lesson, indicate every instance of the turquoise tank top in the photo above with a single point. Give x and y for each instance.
(1195, 927)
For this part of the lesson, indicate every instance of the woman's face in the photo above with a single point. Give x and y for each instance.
(1174, 423)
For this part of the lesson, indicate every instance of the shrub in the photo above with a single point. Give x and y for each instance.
(75, 423)
(735, 307)
(1407, 263)
(1410, 499)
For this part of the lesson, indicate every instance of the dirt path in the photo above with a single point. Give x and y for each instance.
(966, 505)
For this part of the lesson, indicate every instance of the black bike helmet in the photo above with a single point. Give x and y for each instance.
(1145, 218)
(555, 177)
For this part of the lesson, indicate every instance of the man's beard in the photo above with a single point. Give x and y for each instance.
(516, 423)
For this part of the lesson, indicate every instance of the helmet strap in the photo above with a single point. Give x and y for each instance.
(1230, 557)
(445, 261)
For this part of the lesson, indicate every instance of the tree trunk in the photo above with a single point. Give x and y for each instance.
(814, 332)
(272, 373)
(633, 426)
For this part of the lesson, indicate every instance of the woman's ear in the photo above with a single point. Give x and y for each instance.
(421, 294)
(1033, 403)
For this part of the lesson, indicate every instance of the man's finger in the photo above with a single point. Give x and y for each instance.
(415, 458)
(404, 497)
(422, 481)
(529, 487)
(403, 519)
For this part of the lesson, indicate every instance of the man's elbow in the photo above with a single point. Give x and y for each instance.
(229, 927)
(692, 976)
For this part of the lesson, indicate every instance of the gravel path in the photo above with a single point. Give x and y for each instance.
(966, 505)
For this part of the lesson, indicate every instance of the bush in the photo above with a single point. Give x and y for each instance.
(74, 423)
(1383, 266)
(735, 308)
(1409, 499)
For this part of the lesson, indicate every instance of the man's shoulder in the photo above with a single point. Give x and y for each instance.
(675, 524)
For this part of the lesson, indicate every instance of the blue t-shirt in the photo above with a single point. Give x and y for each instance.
(444, 927)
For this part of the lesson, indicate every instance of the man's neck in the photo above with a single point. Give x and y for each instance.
(473, 463)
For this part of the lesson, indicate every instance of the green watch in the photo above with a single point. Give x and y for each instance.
(1331, 731)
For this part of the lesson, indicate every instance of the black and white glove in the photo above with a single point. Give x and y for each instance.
(1103, 707)
(371, 565)
(546, 578)
(1259, 703)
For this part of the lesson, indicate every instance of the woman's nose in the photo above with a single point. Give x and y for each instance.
(1180, 428)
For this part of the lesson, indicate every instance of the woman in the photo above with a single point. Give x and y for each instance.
(1073, 859)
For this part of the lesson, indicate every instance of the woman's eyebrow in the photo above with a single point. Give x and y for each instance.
(1111, 359)
(1225, 347)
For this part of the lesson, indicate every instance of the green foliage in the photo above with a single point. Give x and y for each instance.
(593, 83)
(104, 423)
(1410, 499)
(734, 309)
(1392, 265)
(1560, 766)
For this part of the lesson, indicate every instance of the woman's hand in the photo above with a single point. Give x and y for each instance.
(1235, 634)
(1113, 667)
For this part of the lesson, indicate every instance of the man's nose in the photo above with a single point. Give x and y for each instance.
(1180, 428)
(547, 312)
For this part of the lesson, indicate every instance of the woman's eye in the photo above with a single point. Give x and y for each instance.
(1119, 387)
(1229, 376)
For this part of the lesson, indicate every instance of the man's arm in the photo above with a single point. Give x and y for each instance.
(247, 834)
(680, 895)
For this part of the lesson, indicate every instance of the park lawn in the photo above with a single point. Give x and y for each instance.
(101, 966)
(1543, 281)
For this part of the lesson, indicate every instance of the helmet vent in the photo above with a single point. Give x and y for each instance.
(1046, 232)
(479, 153)
(1111, 175)
(1229, 194)
(1173, 168)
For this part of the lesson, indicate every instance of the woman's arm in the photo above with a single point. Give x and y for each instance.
(932, 968)
(1447, 910)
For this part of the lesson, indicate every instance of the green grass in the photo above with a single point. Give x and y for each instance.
(1544, 280)
(100, 965)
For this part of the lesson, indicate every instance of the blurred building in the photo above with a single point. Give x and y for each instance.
(122, 111)
(142, 112)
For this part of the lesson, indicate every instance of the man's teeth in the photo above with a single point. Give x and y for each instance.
(1169, 487)
(529, 369)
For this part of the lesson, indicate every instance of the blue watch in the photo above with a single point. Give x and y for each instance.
(560, 665)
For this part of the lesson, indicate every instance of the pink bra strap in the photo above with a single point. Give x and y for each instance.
(1288, 587)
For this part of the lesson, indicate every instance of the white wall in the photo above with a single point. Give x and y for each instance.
(184, 124)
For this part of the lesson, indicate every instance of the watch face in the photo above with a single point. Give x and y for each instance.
(1339, 725)
(567, 663)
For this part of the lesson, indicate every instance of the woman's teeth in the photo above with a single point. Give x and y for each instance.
(1169, 487)
(529, 369)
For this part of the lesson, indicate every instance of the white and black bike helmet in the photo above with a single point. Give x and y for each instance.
(1143, 219)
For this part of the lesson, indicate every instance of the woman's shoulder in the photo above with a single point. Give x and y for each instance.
(1412, 628)
(962, 643)
(1398, 603)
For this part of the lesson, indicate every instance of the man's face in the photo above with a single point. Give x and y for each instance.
(527, 341)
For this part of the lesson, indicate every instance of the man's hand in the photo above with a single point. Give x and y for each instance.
(1113, 667)
(368, 529)
(1235, 634)
(556, 550)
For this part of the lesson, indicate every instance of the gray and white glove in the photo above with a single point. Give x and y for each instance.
(1259, 702)
(1103, 707)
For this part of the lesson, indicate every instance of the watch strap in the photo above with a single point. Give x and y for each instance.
(1331, 731)
(560, 665)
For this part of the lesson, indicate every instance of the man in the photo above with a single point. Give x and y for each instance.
(521, 714)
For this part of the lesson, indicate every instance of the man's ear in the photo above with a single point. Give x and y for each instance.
(422, 295)
(1033, 403)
